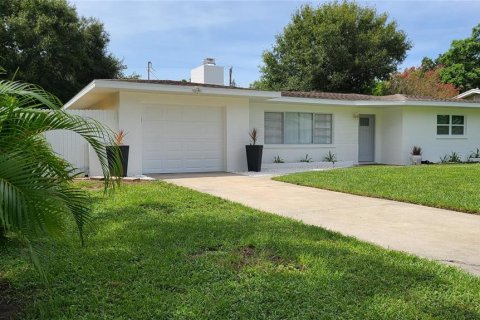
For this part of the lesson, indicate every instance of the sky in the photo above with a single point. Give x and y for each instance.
(177, 35)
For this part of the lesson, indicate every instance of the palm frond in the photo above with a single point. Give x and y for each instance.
(28, 95)
(36, 190)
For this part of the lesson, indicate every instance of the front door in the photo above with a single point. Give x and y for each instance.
(366, 138)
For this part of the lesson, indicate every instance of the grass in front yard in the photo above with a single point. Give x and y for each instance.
(156, 251)
(455, 187)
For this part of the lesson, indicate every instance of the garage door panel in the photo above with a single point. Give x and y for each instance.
(211, 155)
(173, 114)
(211, 146)
(153, 165)
(193, 113)
(194, 146)
(155, 155)
(193, 154)
(154, 151)
(174, 146)
(212, 132)
(174, 128)
(211, 164)
(183, 139)
(173, 155)
(173, 164)
(153, 128)
(194, 163)
(149, 141)
(193, 129)
(211, 115)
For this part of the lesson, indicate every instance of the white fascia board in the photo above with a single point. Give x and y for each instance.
(468, 93)
(317, 101)
(155, 87)
(373, 103)
(337, 102)
(89, 87)
(442, 104)
(272, 96)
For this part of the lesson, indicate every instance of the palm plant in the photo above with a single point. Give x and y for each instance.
(36, 189)
(330, 157)
(306, 159)
(253, 136)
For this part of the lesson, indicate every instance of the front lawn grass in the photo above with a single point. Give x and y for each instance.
(454, 187)
(157, 251)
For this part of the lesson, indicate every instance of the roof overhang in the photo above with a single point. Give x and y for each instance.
(468, 93)
(375, 103)
(98, 90)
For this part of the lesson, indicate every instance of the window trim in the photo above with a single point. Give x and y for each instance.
(313, 128)
(450, 125)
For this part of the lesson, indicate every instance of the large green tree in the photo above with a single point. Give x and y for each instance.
(461, 63)
(53, 47)
(338, 46)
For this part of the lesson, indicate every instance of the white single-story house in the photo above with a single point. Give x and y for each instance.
(203, 125)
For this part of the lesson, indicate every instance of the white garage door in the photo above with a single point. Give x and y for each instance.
(183, 139)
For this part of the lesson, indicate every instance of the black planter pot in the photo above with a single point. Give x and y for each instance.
(254, 157)
(123, 152)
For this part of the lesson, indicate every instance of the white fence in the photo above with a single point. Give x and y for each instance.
(73, 148)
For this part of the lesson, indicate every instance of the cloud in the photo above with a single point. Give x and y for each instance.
(177, 35)
(127, 18)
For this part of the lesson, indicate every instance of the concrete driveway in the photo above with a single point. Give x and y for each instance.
(446, 236)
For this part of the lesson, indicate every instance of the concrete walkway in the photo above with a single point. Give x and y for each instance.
(443, 235)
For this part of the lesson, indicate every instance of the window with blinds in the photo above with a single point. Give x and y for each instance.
(322, 131)
(298, 128)
(273, 127)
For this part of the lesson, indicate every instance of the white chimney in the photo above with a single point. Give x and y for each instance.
(208, 73)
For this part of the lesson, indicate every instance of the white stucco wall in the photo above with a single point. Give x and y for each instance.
(397, 129)
(391, 131)
(130, 120)
(237, 127)
(420, 130)
(345, 132)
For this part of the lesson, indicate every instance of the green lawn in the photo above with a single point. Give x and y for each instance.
(455, 187)
(156, 251)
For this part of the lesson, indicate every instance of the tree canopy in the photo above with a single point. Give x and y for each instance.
(456, 70)
(53, 47)
(338, 46)
(424, 81)
(461, 63)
